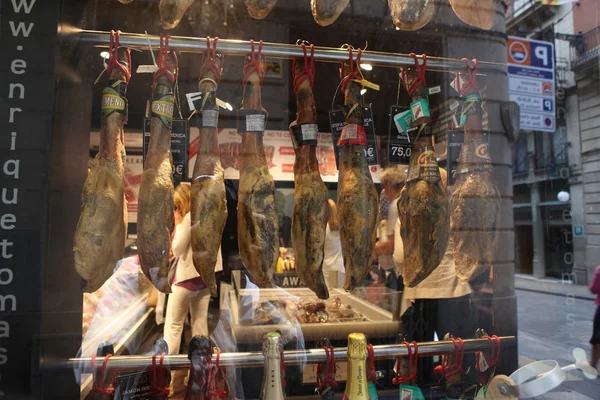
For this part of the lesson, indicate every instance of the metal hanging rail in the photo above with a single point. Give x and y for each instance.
(279, 50)
(256, 359)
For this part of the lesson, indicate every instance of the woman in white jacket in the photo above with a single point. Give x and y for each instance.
(189, 292)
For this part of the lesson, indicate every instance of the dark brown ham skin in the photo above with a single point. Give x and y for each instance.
(326, 12)
(475, 209)
(259, 9)
(99, 239)
(423, 211)
(209, 203)
(411, 15)
(357, 203)
(171, 12)
(311, 210)
(258, 224)
(155, 205)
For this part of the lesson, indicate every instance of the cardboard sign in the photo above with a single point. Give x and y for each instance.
(179, 147)
(133, 386)
(456, 140)
(287, 280)
(399, 145)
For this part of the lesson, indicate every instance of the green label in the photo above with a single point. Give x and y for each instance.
(373, 391)
(408, 392)
(403, 121)
(112, 101)
(420, 109)
(163, 108)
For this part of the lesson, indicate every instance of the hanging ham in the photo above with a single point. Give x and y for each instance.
(326, 12)
(259, 9)
(99, 239)
(357, 196)
(171, 12)
(477, 13)
(423, 203)
(411, 15)
(476, 200)
(155, 204)
(258, 229)
(209, 204)
(311, 208)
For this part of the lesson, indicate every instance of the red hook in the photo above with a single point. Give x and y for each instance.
(113, 54)
(421, 69)
(163, 61)
(209, 58)
(309, 68)
(253, 63)
(353, 67)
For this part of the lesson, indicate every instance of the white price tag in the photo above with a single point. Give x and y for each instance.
(455, 82)
(454, 105)
(309, 131)
(147, 69)
(210, 118)
(255, 123)
(309, 373)
(350, 132)
(435, 89)
(221, 104)
(191, 98)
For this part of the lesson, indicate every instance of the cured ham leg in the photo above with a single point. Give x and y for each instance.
(411, 15)
(171, 12)
(311, 208)
(258, 229)
(357, 196)
(259, 9)
(477, 13)
(326, 12)
(475, 202)
(155, 203)
(423, 203)
(99, 239)
(209, 204)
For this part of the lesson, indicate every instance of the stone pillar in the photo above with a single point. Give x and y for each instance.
(539, 251)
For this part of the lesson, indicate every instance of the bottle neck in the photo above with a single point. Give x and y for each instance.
(357, 386)
(272, 388)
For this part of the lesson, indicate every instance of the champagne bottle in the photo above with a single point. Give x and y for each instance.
(272, 388)
(357, 385)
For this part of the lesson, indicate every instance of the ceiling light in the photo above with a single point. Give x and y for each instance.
(366, 67)
(363, 91)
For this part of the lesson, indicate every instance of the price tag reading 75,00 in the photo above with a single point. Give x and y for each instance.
(399, 145)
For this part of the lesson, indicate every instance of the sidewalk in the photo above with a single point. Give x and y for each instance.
(552, 286)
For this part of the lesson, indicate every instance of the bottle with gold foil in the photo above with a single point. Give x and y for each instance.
(272, 386)
(357, 385)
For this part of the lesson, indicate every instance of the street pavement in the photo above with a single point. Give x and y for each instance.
(554, 319)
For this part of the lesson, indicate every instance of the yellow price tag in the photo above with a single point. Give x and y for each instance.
(367, 84)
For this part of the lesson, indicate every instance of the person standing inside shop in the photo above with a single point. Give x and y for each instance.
(333, 262)
(392, 182)
(595, 340)
(190, 294)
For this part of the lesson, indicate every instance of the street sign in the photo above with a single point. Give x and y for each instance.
(531, 82)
